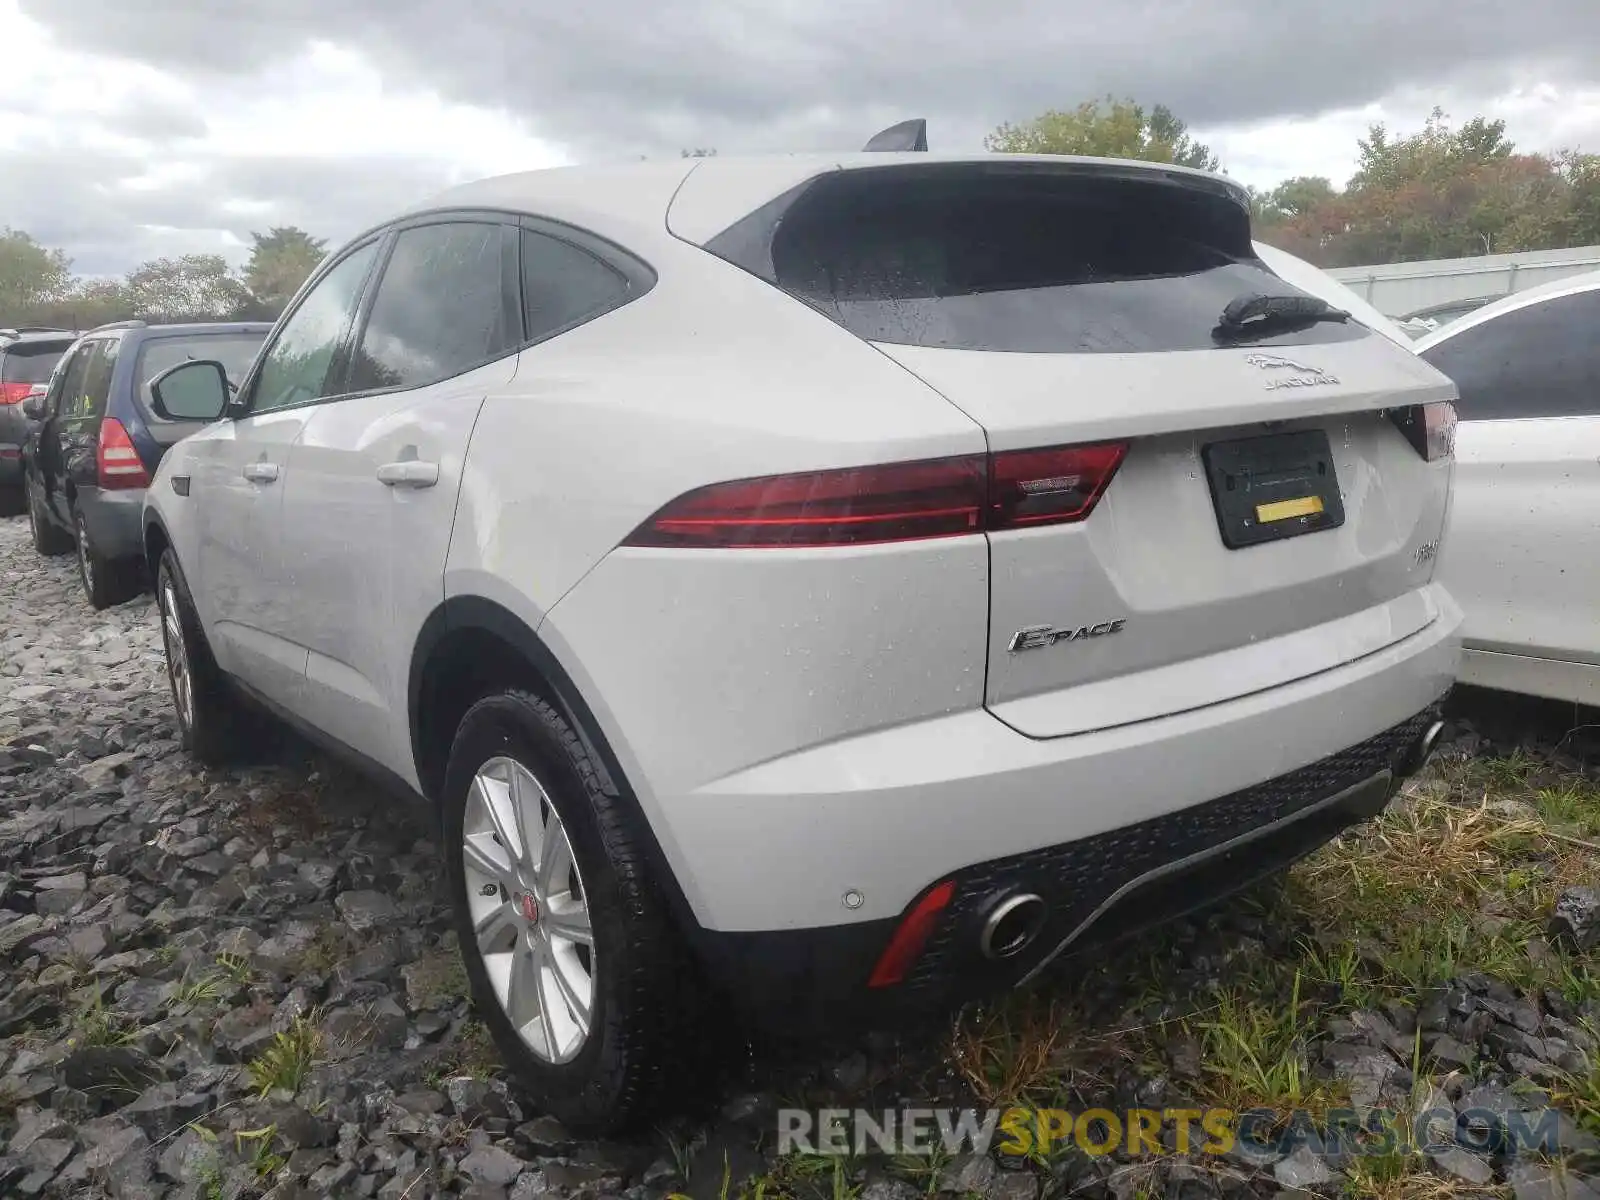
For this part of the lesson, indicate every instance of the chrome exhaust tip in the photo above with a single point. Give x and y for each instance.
(1012, 926)
(1417, 757)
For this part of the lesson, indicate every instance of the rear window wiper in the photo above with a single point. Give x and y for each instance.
(1259, 314)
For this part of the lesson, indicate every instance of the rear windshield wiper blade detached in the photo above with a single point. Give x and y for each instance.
(1260, 314)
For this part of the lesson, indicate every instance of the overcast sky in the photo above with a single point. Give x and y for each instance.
(135, 129)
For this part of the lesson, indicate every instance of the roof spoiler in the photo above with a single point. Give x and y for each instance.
(908, 135)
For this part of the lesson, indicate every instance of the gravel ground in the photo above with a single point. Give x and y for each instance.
(241, 983)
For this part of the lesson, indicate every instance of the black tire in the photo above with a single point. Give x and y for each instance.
(106, 581)
(13, 501)
(47, 538)
(211, 726)
(640, 971)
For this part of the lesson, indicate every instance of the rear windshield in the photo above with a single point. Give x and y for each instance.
(235, 351)
(1016, 260)
(31, 362)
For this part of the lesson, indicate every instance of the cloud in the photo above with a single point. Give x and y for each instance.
(118, 160)
(641, 76)
(207, 120)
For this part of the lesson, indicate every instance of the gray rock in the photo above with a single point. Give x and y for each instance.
(971, 1173)
(492, 1165)
(89, 943)
(474, 1100)
(1302, 1169)
(545, 1136)
(165, 1107)
(106, 1070)
(1448, 1052)
(365, 911)
(1457, 1163)
(35, 1125)
(1537, 1181)
(48, 1154)
(1576, 919)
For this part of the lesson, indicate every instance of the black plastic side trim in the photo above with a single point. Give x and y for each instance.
(357, 761)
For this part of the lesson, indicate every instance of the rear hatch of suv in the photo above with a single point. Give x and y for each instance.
(1212, 485)
(27, 362)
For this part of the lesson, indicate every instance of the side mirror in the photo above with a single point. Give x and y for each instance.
(195, 390)
(33, 402)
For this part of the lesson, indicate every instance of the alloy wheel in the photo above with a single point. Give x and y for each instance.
(529, 910)
(178, 673)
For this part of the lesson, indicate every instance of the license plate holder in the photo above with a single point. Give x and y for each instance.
(1273, 487)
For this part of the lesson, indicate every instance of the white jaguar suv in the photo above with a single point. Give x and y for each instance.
(843, 582)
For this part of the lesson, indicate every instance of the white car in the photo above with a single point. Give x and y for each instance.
(848, 581)
(1521, 551)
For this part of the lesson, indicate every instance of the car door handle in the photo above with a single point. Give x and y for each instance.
(409, 472)
(261, 472)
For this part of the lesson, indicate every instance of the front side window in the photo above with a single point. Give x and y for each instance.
(440, 308)
(299, 365)
(1537, 361)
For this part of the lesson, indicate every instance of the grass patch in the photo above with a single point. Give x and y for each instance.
(796, 1177)
(472, 1054)
(285, 1063)
(96, 1025)
(1459, 875)
(1255, 1054)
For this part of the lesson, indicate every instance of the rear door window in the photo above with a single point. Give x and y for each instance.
(1536, 361)
(68, 382)
(89, 383)
(443, 306)
(1017, 259)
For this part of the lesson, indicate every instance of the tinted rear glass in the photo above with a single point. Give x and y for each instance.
(235, 351)
(1015, 260)
(31, 362)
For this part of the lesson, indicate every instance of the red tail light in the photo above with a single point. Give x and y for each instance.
(942, 497)
(14, 393)
(117, 463)
(1050, 487)
(1430, 428)
(911, 936)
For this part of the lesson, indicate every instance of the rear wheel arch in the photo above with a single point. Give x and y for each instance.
(156, 542)
(471, 647)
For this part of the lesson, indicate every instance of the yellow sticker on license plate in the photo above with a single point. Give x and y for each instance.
(1282, 510)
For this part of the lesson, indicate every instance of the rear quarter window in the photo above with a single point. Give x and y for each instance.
(979, 258)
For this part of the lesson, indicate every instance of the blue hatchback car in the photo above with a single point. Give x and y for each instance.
(94, 442)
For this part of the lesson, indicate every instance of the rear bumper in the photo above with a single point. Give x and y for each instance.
(115, 521)
(806, 864)
(13, 430)
(1094, 890)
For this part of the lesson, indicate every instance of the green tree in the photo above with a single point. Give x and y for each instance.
(1293, 198)
(1437, 193)
(190, 287)
(280, 261)
(31, 276)
(1108, 128)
